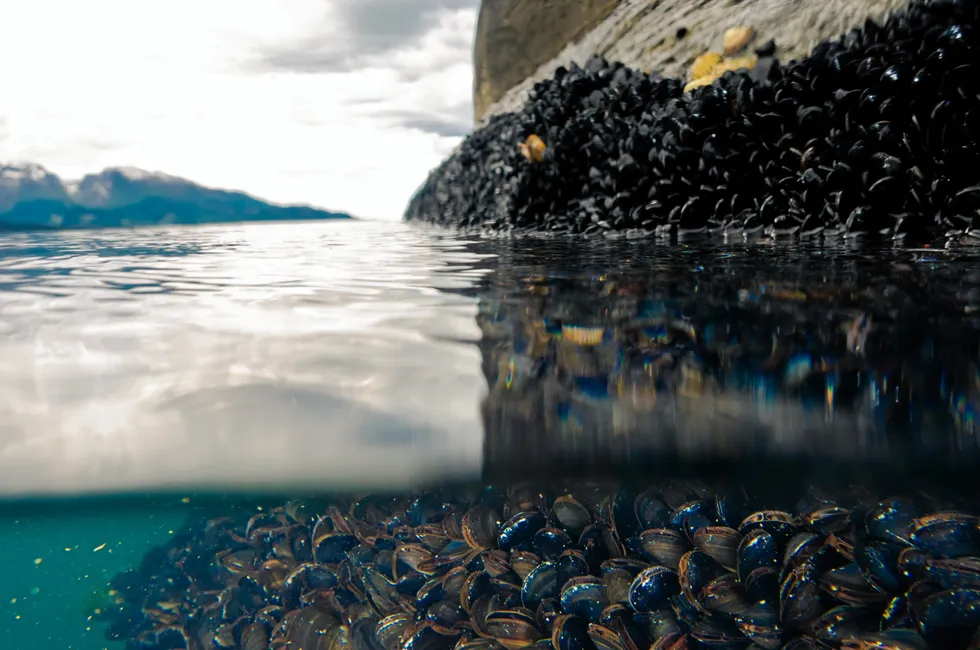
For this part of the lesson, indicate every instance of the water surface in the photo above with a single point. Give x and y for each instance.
(346, 354)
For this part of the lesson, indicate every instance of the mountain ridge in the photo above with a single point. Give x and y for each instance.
(32, 196)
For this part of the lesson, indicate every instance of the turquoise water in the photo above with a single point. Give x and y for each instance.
(58, 561)
(153, 377)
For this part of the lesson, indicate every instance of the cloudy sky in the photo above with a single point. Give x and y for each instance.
(342, 104)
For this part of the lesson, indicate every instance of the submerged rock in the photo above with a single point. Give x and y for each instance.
(874, 133)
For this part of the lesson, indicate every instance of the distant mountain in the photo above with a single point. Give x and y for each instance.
(33, 197)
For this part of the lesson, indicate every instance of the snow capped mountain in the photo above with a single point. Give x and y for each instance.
(28, 182)
(30, 195)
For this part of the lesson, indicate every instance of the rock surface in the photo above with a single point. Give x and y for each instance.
(515, 37)
(660, 35)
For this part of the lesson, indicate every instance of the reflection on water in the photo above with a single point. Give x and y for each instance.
(346, 354)
(246, 355)
(636, 355)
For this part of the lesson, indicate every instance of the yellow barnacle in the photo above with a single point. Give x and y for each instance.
(533, 148)
(736, 63)
(701, 81)
(705, 64)
(735, 39)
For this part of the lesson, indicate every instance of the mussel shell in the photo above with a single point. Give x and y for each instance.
(757, 549)
(361, 635)
(412, 557)
(391, 629)
(760, 624)
(897, 639)
(585, 597)
(432, 637)
(617, 582)
(651, 511)
(949, 619)
(951, 574)
(310, 627)
(520, 529)
(571, 564)
(664, 546)
(720, 543)
(540, 584)
(332, 548)
(829, 519)
(480, 526)
(781, 525)
(891, 521)
(839, 623)
(571, 515)
(724, 596)
(693, 515)
(653, 588)
(800, 599)
(849, 585)
(571, 632)
(949, 534)
(879, 562)
(897, 614)
(707, 633)
(523, 562)
(549, 543)
(695, 571)
(800, 548)
(605, 638)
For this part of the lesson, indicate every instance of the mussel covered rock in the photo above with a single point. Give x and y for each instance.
(577, 568)
(873, 134)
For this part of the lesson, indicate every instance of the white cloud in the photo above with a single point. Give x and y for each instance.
(173, 86)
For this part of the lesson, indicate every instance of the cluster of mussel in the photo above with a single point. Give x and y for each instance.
(593, 567)
(875, 133)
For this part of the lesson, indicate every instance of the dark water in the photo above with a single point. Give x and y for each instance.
(177, 371)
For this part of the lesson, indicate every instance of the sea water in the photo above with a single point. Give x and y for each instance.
(154, 375)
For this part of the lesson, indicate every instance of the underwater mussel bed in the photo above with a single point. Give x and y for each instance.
(875, 133)
(585, 566)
